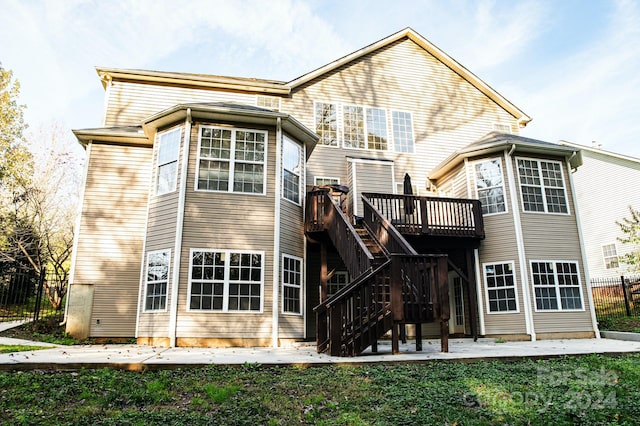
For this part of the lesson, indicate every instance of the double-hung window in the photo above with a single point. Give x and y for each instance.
(610, 256)
(542, 186)
(500, 286)
(556, 286)
(226, 281)
(167, 174)
(490, 186)
(326, 118)
(155, 296)
(232, 160)
(402, 125)
(291, 168)
(291, 284)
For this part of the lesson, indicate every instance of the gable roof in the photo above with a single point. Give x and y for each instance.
(494, 142)
(276, 87)
(439, 54)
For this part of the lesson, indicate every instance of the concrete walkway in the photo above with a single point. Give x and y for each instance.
(138, 357)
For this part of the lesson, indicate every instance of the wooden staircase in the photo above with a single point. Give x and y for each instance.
(393, 284)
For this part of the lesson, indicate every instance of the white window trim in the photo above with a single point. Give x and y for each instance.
(146, 282)
(301, 287)
(225, 291)
(486, 288)
(232, 162)
(300, 166)
(365, 108)
(556, 284)
(542, 186)
(504, 187)
(315, 179)
(604, 258)
(338, 123)
(158, 165)
(413, 133)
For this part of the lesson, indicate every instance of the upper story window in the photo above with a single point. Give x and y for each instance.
(155, 292)
(291, 168)
(542, 186)
(268, 102)
(231, 160)
(556, 286)
(364, 127)
(353, 126)
(326, 117)
(402, 124)
(610, 256)
(490, 186)
(168, 147)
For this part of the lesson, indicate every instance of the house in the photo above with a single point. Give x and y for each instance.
(603, 249)
(209, 212)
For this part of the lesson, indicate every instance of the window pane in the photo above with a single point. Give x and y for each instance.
(500, 287)
(327, 123)
(376, 128)
(353, 126)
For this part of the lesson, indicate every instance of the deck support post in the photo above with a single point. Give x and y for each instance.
(444, 336)
(418, 337)
(472, 293)
(395, 345)
(443, 300)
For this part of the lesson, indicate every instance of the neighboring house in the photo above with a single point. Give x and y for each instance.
(606, 185)
(207, 217)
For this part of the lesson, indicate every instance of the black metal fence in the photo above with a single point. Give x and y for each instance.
(23, 296)
(616, 297)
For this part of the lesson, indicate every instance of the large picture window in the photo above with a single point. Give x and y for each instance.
(155, 296)
(232, 160)
(364, 127)
(490, 186)
(167, 173)
(500, 286)
(542, 186)
(291, 284)
(326, 115)
(291, 168)
(556, 286)
(226, 281)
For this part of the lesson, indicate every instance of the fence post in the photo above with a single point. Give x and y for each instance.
(626, 297)
(36, 310)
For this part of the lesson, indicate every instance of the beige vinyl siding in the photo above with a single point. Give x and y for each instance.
(217, 220)
(555, 237)
(161, 234)
(371, 177)
(111, 233)
(454, 183)
(292, 243)
(448, 112)
(603, 180)
(130, 102)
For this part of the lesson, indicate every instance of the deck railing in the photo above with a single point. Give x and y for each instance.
(323, 214)
(433, 216)
(381, 229)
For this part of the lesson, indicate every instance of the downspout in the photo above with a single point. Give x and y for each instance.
(304, 241)
(175, 277)
(583, 251)
(522, 258)
(76, 232)
(275, 305)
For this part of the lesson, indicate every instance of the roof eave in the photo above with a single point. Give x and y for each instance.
(86, 136)
(214, 82)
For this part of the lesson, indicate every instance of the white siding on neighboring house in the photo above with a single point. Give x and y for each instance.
(605, 186)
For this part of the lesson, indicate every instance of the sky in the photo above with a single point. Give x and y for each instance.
(571, 65)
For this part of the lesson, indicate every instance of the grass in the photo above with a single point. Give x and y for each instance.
(581, 390)
(628, 324)
(6, 349)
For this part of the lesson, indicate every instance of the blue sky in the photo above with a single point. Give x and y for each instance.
(570, 65)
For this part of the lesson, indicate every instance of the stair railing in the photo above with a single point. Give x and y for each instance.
(383, 231)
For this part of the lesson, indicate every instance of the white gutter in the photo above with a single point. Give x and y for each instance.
(175, 278)
(276, 239)
(583, 252)
(304, 241)
(76, 231)
(522, 258)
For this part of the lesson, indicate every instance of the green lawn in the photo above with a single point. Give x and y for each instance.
(583, 390)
